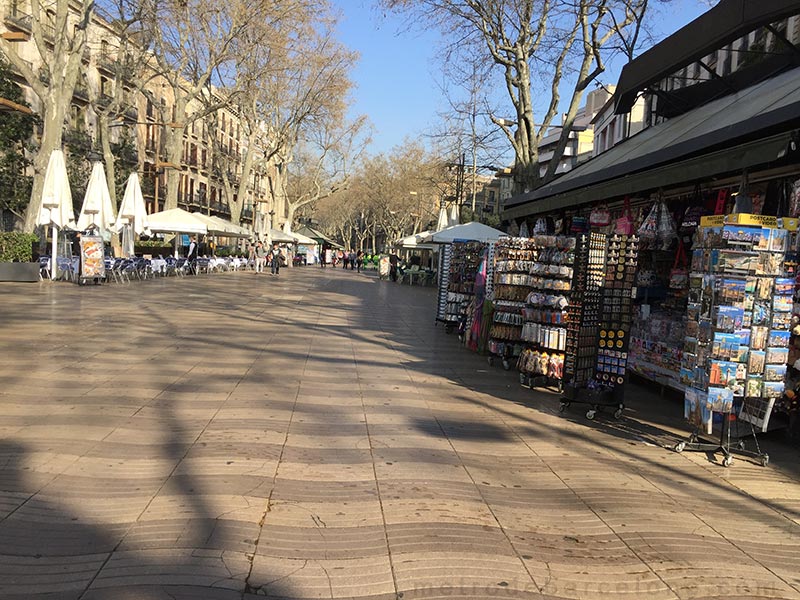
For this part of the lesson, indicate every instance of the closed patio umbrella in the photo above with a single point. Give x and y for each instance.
(132, 215)
(97, 210)
(455, 216)
(56, 209)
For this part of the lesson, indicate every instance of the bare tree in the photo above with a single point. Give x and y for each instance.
(293, 104)
(197, 46)
(541, 48)
(58, 29)
(322, 163)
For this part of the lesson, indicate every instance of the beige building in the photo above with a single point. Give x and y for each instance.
(212, 146)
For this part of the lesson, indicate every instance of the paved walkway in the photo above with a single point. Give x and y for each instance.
(316, 436)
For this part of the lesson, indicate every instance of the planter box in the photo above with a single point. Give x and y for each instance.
(19, 271)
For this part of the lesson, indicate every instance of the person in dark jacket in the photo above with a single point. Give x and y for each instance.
(191, 254)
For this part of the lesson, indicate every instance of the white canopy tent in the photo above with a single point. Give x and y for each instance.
(218, 226)
(276, 235)
(176, 220)
(415, 242)
(472, 231)
(303, 239)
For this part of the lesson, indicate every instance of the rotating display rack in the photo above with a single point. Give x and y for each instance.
(599, 322)
(737, 335)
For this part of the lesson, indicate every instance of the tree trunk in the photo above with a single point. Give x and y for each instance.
(174, 148)
(53, 121)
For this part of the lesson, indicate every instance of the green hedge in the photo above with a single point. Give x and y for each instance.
(16, 246)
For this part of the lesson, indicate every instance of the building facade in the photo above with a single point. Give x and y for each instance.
(140, 118)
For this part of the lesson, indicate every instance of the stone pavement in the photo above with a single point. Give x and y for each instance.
(316, 436)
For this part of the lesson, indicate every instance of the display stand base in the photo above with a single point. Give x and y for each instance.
(723, 446)
(531, 381)
(597, 399)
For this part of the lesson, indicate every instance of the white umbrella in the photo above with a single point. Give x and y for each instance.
(56, 209)
(455, 217)
(443, 219)
(132, 213)
(97, 210)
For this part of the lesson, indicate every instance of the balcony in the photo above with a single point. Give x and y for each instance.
(104, 100)
(130, 115)
(108, 63)
(15, 19)
(81, 92)
(247, 214)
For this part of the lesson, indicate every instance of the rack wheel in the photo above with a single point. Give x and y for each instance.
(490, 360)
(506, 365)
(679, 447)
(563, 407)
(618, 412)
(740, 445)
(764, 460)
(590, 414)
(727, 461)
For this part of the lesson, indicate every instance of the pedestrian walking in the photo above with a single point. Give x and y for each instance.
(394, 262)
(251, 255)
(261, 256)
(351, 258)
(191, 254)
(359, 258)
(275, 259)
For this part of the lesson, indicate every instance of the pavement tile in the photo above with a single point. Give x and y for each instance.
(339, 444)
(322, 578)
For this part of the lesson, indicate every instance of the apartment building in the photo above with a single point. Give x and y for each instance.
(212, 145)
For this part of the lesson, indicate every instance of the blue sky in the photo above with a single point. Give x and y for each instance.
(397, 76)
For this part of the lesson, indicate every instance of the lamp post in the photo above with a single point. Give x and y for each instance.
(270, 214)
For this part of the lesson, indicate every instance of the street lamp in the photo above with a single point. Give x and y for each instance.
(271, 214)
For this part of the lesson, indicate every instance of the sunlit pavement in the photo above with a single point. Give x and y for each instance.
(315, 435)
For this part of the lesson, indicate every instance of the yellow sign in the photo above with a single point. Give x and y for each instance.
(712, 221)
(749, 220)
(754, 220)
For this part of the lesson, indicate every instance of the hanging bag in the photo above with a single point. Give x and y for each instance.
(666, 226)
(679, 275)
(694, 212)
(624, 225)
(600, 216)
(579, 225)
(648, 230)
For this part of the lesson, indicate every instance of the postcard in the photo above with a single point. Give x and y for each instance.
(729, 318)
(774, 372)
(756, 362)
(777, 356)
(782, 304)
(781, 320)
(720, 400)
(754, 386)
(773, 389)
(779, 338)
(778, 240)
(759, 336)
(784, 286)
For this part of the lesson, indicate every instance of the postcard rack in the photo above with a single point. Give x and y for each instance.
(737, 334)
